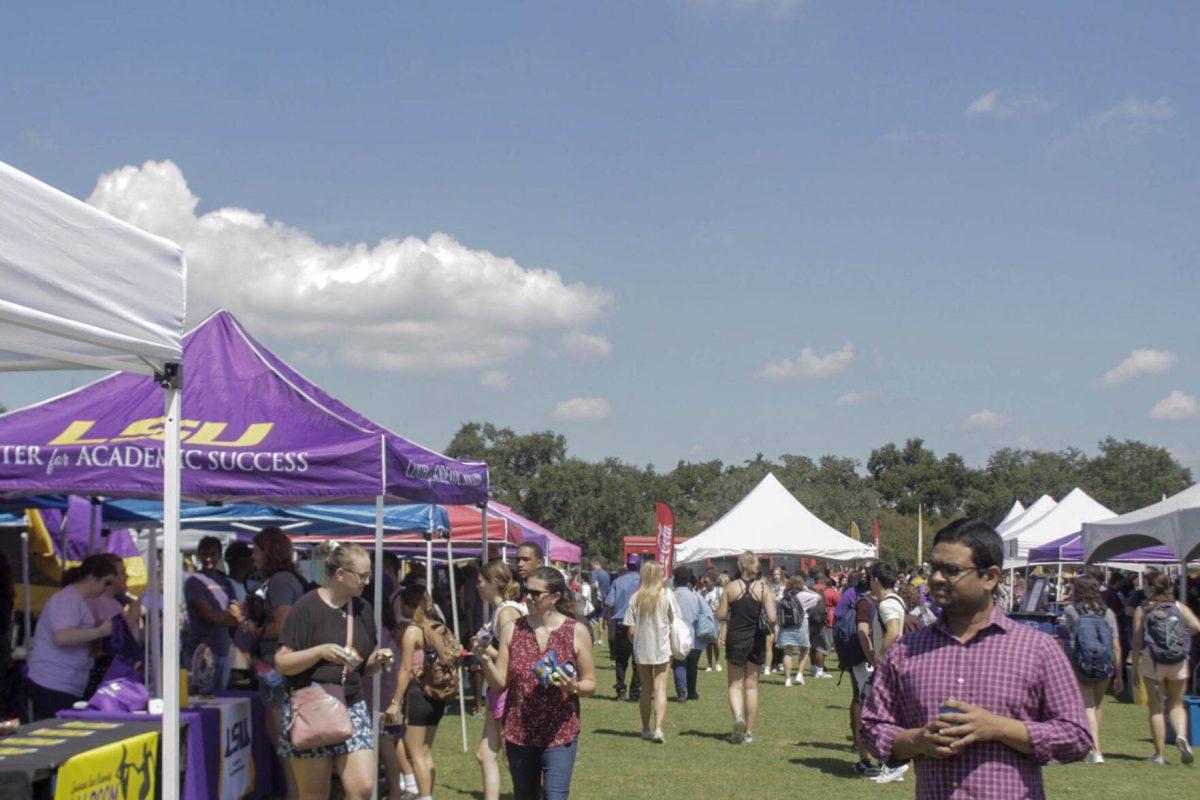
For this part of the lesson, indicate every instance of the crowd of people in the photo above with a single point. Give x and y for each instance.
(940, 675)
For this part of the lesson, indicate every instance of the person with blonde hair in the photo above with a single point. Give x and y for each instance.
(312, 649)
(501, 591)
(748, 608)
(649, 616)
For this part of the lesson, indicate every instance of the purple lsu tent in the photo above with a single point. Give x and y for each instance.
(252, 429)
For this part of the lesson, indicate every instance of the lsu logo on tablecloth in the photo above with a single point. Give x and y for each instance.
(120, 771)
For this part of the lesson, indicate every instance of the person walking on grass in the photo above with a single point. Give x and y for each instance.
(620, 643)
(648, 617)
(694, 608)
(501, 592)
(1162, 637)
(779, 578)
(541, 721)
(887, 626)
(820, 633)
(743, 605)
(793, 629)
(1095, 652)
(711, 590)
(981, 702)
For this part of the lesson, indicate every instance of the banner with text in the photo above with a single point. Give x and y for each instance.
(120, 771)
(666, 538)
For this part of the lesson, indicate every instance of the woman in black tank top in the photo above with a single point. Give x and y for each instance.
(745, 602)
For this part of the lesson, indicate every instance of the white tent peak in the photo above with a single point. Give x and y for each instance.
(1066, 518)
(1040, 508)
(1014, 512)
(1174, 522)
(770, 521)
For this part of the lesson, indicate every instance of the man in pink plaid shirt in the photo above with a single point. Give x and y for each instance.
(980, 702)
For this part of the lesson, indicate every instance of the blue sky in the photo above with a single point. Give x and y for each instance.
(666, 229)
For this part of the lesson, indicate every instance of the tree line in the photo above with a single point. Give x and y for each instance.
(595, 503)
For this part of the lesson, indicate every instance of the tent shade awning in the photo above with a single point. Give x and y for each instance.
(1173, 522)
(1067, 517)
(770, 521)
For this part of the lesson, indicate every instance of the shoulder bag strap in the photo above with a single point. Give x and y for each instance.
(349, 634)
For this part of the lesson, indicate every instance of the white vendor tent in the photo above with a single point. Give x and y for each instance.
(1067, 517)
(1014, 512)
(1040, 508)
(1174, 522)
(769, 521)
(83, 290)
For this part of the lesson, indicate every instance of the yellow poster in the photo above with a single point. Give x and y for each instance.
(120, 771)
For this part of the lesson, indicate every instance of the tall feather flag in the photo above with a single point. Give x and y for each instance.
(875, 525)
(666, 537)
(855, 533)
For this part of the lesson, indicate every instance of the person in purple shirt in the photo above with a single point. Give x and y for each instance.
(213, 613)
(980, 702)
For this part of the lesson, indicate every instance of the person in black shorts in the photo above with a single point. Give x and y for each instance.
(421, 714)
(743, 605)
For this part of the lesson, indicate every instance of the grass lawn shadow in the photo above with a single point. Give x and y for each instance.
(840, 767)
(825, 746)
(611, 732)
(720, 737)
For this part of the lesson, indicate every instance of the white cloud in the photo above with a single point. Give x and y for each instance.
(1006, 106)
(809, 365)
(695, 449)
(494, 379)
(779, 8)
(1140, 362)
(402, 304)
(586, 347)
(856, 397)
(1176, 406)
(1126, 123)
(581, 409)
(985, 419)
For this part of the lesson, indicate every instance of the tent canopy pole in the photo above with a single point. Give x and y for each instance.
(172, 383)
(462, 702)
(377, 680)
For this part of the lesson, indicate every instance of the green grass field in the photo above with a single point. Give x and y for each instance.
(800, 745)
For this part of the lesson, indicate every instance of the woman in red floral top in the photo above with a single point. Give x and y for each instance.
(541, 723)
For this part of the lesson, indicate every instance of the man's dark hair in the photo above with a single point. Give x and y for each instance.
(209, 542)
(683, 577)
(236, 550)
(885, 573)
(987, 548)
(535, 547)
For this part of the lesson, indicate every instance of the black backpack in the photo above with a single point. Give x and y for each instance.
(1166, 634)
(819, 611)
(791, 613)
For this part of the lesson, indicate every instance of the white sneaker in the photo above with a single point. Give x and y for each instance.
(766, 670)
(891, 774)
(718, 667)
(708, 669)
(787, 682)
(1185, 750)
(824, 674)
(800, 678)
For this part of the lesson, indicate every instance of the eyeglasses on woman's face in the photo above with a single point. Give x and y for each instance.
(363, 577)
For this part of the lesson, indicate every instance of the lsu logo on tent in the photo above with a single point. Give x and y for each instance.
(195, 433)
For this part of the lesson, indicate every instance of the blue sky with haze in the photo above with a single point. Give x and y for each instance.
(667, 229)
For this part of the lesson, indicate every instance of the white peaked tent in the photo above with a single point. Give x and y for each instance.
(769, 521)
(82, 290)
(1067, 517)
(1174, 522)
(1040, 508)
(1014, 512)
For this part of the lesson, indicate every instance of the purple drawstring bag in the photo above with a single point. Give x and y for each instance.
(120, 696)
(126, 653)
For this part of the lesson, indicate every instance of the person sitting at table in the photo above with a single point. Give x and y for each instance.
(61, 656)
(212, 612)
(312, 650)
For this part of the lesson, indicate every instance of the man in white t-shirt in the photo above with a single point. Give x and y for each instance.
(886, 627)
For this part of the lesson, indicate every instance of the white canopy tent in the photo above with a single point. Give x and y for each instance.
(1014, 512)
(1040, 508)
(1174, 522)
(1067, 517)
(770, 521)
(84, 290)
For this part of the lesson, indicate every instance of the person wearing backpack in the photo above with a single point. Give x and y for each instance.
(876, 638)
(1095, 652)
(428, 678)
(793, 628)
(1162, 634)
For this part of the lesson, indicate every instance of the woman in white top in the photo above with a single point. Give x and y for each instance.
(499, 591)
(1165, 682)
(648, 618)
(711, 591)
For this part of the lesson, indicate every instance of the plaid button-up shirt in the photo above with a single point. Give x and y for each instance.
(1008, 669)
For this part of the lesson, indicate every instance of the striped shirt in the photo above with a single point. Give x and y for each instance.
(1008, 669)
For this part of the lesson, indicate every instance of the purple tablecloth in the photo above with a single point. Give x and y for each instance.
(202, 728)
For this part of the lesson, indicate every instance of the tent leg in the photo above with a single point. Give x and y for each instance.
(429, 566)
(483, 554)
(462, 701)
(91, 525)
(171, 496)
(377, 681)
(1183, 582)
(1012, 587)
(25, 598)
(154, 610)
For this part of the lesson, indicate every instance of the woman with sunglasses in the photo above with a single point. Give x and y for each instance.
(61, 656)
(312, 649)
(541, 721)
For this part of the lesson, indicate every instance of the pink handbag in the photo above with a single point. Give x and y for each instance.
(320, 717)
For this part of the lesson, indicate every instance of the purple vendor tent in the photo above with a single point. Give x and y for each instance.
(255, 430)
(1069, 550)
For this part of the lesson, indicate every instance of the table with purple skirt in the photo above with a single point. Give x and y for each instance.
(215, 765)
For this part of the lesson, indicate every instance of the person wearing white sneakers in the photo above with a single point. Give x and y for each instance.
(886, 628)
(793, 630)
(710, 592)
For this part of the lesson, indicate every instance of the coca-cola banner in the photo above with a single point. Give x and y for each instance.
(666, 538)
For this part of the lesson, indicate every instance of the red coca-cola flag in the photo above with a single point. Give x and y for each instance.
(666, 538)
(876, 538)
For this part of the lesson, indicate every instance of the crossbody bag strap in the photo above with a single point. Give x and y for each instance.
(349, 635)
